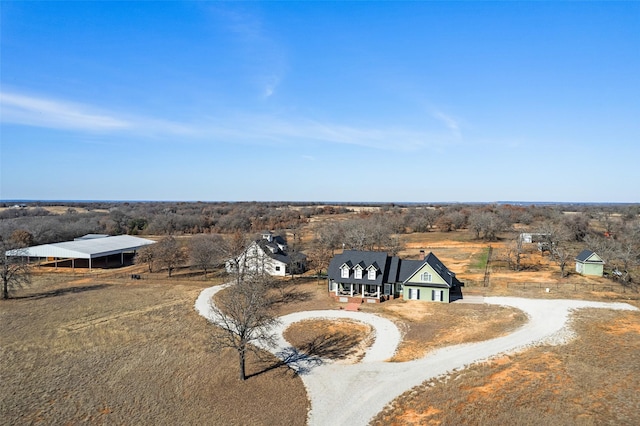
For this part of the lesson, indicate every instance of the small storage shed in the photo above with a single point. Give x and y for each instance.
(589, 263)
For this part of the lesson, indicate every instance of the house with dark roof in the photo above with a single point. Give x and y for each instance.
(589, 263)
(270, 254)
(372, 277)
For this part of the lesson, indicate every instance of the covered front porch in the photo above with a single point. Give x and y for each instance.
(349, 292)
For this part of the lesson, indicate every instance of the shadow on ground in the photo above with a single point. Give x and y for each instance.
(62, 291)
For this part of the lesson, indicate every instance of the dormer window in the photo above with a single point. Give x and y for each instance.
(372, 274)
(344, 271)
(358, 272)
(425, 277)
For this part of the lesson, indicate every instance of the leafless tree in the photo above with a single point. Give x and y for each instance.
(231, 250)
(561, 255)
(21, 238)
(145, 256)
(577, 226)
(622, 252)
(205, 251)
(169, 254)
(319, 256)
(444, 223)
(514, 253)
(14, 270)
(553, 235)
(245, 317)
(486, 224)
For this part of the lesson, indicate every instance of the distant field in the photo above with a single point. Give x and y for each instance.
(101, 348)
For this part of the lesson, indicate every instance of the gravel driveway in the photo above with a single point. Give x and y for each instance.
(353, 394)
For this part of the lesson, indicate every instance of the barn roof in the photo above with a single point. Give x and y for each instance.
(84, 249)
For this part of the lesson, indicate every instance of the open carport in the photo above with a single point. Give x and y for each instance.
(90, 249)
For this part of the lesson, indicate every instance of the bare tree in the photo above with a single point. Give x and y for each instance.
(514, 253)
(486, 224)
(233, 251)
(14, 270)
(245, 317)
(561, 255)
(21, 238)
(145, 256)
(169, 254)
(205, 252)
(319, 256)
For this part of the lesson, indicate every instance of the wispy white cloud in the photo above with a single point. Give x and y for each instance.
(450, 122)
(279, 130)
(231, 128)
(42, 112)
(38, 111)
(264, 54)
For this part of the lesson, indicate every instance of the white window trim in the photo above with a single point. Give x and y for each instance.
(344, 272)
(371, 274)
(426, 277)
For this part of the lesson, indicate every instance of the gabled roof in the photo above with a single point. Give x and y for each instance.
(277, 253)
(364, 259)
(589, 256)
(431, 260)
(392, 268)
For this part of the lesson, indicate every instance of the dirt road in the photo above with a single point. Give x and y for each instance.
(353, 394)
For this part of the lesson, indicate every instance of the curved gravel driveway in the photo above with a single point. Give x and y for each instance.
(353, 394)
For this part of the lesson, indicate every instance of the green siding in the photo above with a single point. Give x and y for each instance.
(591, 269)
(435, 278)
(425, 292)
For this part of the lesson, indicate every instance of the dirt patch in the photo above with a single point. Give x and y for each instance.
(428, 326)
(591, 380)
(343, 340)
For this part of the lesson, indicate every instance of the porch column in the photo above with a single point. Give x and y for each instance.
(337, 288)
(378, 287)
(362, 288)
(351, 289)
(89, 262)
(122, 258)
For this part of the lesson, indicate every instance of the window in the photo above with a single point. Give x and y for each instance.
(414, 294)
(344, 272)
(425, 277)
(436, 295)
(372, 274)
(277, 268)
(358, 272)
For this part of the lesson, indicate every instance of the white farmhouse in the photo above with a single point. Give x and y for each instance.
(269, 254)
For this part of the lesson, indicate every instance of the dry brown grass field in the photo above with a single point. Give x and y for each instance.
(118, 352)
(593, 380)
(103, 349)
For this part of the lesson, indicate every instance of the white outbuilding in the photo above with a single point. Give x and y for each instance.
(88, 248)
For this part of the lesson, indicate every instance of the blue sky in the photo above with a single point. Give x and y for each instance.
(327, 101)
